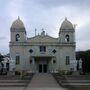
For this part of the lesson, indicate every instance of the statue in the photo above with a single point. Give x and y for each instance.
(43, 32)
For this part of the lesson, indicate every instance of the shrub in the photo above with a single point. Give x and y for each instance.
(65, 72)
(17, 73)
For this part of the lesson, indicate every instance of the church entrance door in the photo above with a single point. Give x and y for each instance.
(42, 64)
(43, 68)
(40, 68)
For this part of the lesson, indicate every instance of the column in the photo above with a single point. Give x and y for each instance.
(33, 64)
(52, 70)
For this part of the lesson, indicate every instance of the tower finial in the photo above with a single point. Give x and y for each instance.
(18, 17)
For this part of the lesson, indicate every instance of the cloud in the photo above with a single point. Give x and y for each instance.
(83, 45)
(58, 3)
(14, 8)
(83, 37)
(2, 38)
(47, 14)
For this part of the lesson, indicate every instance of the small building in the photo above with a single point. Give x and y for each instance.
(42, 53)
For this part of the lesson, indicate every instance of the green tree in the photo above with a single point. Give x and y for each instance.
(85, 56)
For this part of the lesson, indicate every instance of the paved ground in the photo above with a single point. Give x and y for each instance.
(39, 82)
(44, 82)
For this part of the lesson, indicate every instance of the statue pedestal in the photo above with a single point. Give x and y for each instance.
(10, 73)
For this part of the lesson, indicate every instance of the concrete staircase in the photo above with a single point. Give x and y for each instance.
(14, 83)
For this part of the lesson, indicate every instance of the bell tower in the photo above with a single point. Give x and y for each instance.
(66, 33)
(67, 43)
(18, 32)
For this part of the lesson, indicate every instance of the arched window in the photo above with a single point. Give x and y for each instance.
(17, 37)
(67, 38)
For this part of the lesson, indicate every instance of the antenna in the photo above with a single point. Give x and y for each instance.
(74, 25)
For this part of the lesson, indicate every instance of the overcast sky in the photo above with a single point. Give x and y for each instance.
(47, 14)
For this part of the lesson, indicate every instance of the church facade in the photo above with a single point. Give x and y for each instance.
(42, 53)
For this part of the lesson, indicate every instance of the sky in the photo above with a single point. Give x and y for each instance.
(46, 14)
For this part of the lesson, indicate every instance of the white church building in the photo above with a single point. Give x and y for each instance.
(42, 53)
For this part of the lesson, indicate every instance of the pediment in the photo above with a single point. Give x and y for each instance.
(40, 38)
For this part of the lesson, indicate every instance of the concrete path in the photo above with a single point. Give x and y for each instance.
(44, 81)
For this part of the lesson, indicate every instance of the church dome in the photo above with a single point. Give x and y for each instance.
(17, 24)
(66, 25)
